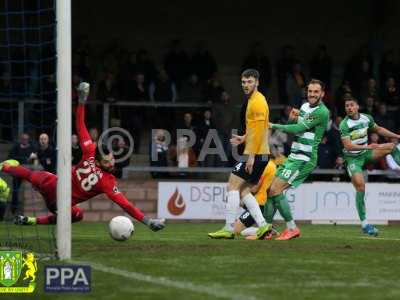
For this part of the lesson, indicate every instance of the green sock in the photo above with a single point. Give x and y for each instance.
(360, 204)
(396, 154)
(269, 210)
(282, 205)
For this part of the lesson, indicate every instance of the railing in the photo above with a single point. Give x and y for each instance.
(106, 107)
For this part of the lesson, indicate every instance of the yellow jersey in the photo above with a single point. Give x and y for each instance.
(257, 123)
(265, 182)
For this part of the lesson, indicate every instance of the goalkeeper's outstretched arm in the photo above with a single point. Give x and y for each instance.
(133, 211)
(85, 140)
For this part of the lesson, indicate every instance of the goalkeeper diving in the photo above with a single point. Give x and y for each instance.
(90, 177)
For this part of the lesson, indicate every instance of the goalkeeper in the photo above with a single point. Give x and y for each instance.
(4, 193)
(90, 177)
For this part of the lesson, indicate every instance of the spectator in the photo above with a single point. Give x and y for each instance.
(326, 155)
(358, 68)
(145, 65)
(203, 63)
(46, 154)
(369, 106)
(384, 119)
(133, 117)
(343, 92)
(176, 62)
(81, 65)
(159, 146)
(374, 138)
(204, 127)
(333, 136)
(108, 90)
(129, 69)
(259, 61)
(76, 152)
(110, 63)
(224, 117)
(361, 77)
(388, 67)
(21, 151)
(283, 68)
(213, 90)
(187, 123)
(121, 156)
(339, 165)
(191, 90)
(183, 155)
(321, 66)
(391, 94)
(295, 84)
(279, 142)
(284, 114)
(371, 90)
(137, 89)
(163, 89)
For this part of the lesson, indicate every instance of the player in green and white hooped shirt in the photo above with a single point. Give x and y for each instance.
(309, 127)
(357, 153)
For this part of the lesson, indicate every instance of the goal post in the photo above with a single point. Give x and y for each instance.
(63, 16)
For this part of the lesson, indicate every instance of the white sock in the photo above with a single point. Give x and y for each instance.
(231, 209)
(254, 209)
(291, 225)
(364, 223)
(249, 231)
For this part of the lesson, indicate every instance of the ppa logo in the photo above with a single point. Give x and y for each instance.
(67, 279)
(176, 205)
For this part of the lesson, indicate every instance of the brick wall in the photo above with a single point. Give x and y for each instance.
(142, 193)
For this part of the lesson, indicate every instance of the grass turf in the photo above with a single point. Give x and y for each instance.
(327, 262)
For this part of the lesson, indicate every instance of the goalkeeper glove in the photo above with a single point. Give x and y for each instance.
(154, 224)
(83, 91)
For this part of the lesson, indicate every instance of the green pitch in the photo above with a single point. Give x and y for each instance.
(327, 262)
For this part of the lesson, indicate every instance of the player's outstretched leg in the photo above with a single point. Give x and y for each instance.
(6, 165)
(76, 216)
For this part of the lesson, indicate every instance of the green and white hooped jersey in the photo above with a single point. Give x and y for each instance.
(357, 131)
(305, 144)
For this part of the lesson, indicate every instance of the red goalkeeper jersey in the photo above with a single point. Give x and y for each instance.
(88, 180)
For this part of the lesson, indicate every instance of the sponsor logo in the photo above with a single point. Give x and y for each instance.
(176, 205)
(331, 200)
(12, 264)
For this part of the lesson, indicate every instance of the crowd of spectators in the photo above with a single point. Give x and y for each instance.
(119, 74)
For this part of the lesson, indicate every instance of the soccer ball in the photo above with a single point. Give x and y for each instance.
(121, 228)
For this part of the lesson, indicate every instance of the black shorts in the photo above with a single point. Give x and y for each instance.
(246, 218)
(260, 162)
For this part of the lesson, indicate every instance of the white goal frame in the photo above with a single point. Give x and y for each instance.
(63, 16)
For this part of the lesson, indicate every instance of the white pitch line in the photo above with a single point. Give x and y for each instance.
(377, 238)
(164, 281)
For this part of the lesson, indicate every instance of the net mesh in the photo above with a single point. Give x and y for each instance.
(27, 105)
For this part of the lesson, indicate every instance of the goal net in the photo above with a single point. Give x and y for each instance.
(28, 105)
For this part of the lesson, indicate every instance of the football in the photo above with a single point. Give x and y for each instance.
(121, 228)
